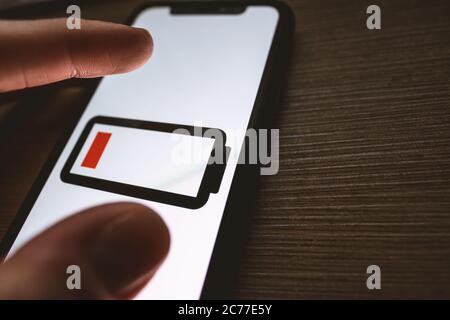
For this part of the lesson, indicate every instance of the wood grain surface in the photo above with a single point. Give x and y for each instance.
(364, 161)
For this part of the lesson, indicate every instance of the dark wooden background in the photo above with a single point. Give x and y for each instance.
(365, 148)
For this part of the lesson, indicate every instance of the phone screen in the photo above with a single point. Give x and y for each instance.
(205, 72)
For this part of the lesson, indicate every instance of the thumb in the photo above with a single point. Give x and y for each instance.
(118, 248)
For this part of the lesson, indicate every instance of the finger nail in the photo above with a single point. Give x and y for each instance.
(129, 249)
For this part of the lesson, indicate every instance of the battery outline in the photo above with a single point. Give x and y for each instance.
(210, 182)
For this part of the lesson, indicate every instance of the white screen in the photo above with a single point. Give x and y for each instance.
(205, 70)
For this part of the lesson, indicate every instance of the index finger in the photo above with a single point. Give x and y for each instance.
(38, 52)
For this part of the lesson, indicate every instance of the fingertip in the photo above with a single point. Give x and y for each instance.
(147, 223)
(128, 251)
(147, 39)
(136, 51)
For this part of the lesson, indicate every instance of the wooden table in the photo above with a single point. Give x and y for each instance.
(365, 153)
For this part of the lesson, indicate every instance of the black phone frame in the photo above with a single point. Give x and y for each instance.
(228, 248)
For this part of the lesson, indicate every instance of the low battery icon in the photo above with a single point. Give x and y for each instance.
(136, 158)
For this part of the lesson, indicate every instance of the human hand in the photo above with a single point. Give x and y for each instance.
(118, 247)
(37, 52)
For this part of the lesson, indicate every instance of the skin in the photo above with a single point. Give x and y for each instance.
(119, 246)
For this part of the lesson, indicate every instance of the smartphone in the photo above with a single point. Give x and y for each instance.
(215, 65)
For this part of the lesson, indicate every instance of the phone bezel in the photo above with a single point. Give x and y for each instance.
(228, 246)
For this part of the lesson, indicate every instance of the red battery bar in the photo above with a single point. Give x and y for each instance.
(96, 150)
